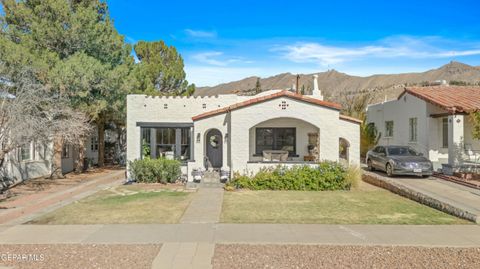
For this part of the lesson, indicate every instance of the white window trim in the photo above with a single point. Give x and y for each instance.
(31, 153)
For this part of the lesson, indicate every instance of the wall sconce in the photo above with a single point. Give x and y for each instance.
(226, 137)
(198, 137)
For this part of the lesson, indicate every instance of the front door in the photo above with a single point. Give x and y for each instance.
(214, 148)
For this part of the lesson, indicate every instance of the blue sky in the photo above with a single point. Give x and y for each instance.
(223, 41)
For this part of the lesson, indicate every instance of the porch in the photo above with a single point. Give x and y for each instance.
(451, 144)
(288, 142)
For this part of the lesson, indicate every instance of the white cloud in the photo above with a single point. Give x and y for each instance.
(215, 58)
(209, 58)
(201, 33)
(394, 47)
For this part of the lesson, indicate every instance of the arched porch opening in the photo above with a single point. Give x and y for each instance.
(344, 150)
(284, 140)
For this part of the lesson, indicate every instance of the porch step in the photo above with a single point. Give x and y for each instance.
(211, 177)
(193, 185)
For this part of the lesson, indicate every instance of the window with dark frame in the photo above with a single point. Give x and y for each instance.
(146, 137)
(275, 139)
(412, 123)
(65, 151)
(94, 143)
(445, 132)
(389, 129)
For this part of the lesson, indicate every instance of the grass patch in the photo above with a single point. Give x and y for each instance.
(364, 205)
(122, 205)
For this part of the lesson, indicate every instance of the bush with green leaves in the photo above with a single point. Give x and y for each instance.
(325, 176)
(155, 170)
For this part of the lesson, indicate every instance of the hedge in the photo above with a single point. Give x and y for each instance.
(327, 176)
(155, 170)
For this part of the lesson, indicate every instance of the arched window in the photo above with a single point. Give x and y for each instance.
(343, 149)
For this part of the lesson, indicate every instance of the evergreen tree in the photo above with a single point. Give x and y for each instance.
(258, 87)
(161, 70)
(74, 49)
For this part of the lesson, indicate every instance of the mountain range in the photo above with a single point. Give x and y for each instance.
(332, 83)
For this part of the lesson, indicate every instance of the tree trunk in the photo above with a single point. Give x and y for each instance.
(101, 141)
(79, 161)
(57, 158)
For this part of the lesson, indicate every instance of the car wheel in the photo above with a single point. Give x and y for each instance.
(389, 170)
(425, 176)
(369, 165)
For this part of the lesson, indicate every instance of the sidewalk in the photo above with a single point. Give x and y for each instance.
(187, 248)
(30, 206)
(410, 235)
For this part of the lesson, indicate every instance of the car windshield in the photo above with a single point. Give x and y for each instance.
(401, 151)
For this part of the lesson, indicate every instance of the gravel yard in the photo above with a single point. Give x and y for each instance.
(315, 256)
(79, 256)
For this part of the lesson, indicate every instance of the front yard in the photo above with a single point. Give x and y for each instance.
(123, 205)
(365, 205)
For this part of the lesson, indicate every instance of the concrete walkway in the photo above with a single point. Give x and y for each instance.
(446, 196)
(187, 248)
(451, 193)
(411, 235)
(205, 207)
(28, 210)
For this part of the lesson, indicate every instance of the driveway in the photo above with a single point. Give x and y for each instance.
(448, 192)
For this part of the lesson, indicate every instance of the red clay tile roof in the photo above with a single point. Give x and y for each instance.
(267, 98)
(454, 99)
(351, 119)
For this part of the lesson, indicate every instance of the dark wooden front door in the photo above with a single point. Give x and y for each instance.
(214, 148)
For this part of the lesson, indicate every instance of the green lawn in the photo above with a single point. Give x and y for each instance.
(366, 205)
(126, 204)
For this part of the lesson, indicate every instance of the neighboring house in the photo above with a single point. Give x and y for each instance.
(241, 133)
(70, 153)
(34, 160)
(434, 121)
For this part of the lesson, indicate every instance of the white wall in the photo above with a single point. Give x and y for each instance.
(243, 119)
(38, 166)
(430, 129)
(238, 125)
(142, 108)
(351, 132)
(400, 111)
(220, 122)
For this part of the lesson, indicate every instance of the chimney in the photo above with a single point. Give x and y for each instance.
(316, 92)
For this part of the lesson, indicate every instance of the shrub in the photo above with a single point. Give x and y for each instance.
(354, 176)
(327, 176)
(155, 170)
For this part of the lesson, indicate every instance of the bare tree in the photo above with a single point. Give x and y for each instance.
(30, 112)
(355, 104)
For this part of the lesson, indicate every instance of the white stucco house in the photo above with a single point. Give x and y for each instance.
(433, 120)
(241, 133)
(34, 160)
